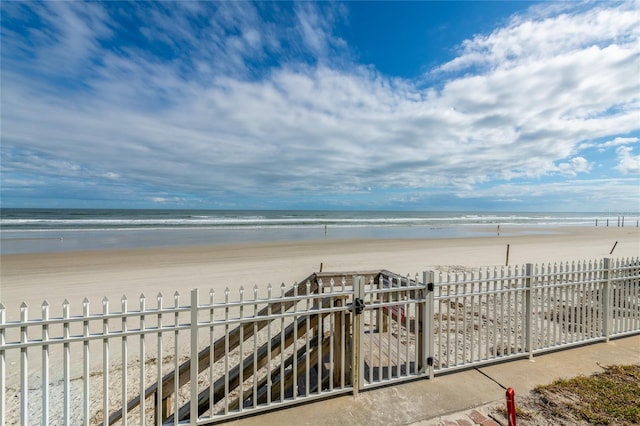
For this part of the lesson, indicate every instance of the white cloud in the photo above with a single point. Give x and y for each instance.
(206, 120)
(619, 141)
(70, 39)
(574, 166)
(627, 162)
(111, 175)
(569, 195)
(550, 35)
(310, 27)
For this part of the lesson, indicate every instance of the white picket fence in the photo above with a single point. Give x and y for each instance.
(231, 355)
(497, 313)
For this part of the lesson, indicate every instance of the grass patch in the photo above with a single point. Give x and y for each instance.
(609, 397)
(521, 413)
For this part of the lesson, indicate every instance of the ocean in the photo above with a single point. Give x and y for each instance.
(52, 230)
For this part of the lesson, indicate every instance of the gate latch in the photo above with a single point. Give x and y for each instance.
(359, 305)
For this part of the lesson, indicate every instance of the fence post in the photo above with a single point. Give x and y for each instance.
(66, 359)
(606, 297)
(45, 364)
(421, 330)
(86, 361)
(193, 367)
(105, 360)
(2, 366)
(358, 361)
(24, 365)
(125, 353)
(425, 336)
(142, 360)
(529, 309)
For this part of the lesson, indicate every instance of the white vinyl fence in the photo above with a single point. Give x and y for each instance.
(497, 313)
(221, 356)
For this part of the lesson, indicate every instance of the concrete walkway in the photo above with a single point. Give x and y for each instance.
(453, 399)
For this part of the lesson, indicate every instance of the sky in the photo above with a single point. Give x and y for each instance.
(512, 106)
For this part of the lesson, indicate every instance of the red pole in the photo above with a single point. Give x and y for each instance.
(511, 407)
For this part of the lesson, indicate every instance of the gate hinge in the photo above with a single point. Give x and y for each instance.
(359, 305)
(430, 361)
(430, 286)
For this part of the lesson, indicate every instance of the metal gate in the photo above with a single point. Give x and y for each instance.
(391, 329)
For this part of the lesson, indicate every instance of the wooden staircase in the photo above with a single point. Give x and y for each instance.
(271, 385)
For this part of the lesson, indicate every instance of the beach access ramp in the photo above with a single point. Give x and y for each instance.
(286, 348)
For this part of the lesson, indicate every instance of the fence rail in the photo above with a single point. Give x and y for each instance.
(497, 313)
(224, 356)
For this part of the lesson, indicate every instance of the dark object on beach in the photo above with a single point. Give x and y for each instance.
(614, 247)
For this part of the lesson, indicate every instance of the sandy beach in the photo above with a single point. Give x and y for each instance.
(54, 277)
(33, 278)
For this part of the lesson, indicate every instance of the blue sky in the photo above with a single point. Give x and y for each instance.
(356, 105)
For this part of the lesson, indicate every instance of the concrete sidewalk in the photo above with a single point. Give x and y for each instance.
(462, 394)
